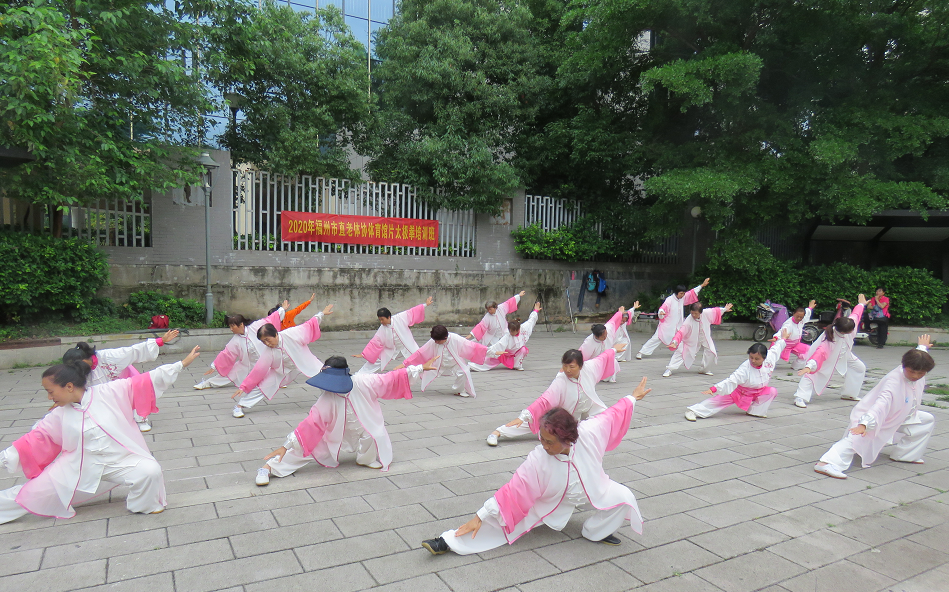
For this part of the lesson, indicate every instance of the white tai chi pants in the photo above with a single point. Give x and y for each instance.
(909, 448)
(651, 344)
(215, 381)
(491, 534)
(713, 405)
(355, 439)
(140, 474)
(373, 367)
(250, 399)
(853, 382)
(708, 358)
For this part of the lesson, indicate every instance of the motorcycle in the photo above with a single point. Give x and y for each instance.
(772, 316)
(844, 308)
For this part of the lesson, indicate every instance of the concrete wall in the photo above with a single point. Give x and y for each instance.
(251, 282)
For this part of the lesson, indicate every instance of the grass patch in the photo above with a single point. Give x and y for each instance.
(934, 404)
(21, 365)
(49, 329)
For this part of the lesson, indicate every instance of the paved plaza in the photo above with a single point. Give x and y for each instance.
(730, 503)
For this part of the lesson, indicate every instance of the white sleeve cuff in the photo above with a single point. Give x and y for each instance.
(291, 441)
(922, 347)
(10, 459)
(414, 371)
(811, 365)
(526, 416)
(491, 508)
(867, 420)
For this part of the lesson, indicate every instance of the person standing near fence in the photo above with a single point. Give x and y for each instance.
(694, 337)
(494, 323)
(393, 337)
(671, 316)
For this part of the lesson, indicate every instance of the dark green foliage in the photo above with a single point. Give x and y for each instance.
(745, 273)
(44, 275)
(579, 242)
(181, 312)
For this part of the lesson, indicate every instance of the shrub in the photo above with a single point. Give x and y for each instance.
(579, 242)
(43, 274)
(181, 312)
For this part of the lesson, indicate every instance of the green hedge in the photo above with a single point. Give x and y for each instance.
(181, 312)
(745, 273)
(41, 275)
(578, 242)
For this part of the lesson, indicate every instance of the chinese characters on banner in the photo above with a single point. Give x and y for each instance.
(360, 230)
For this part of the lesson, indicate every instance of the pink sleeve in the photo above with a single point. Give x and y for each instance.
(414, 315)
(373, 349)
(224, 361)
(714, 315)
(510, 305)
(479, 330)
(677, 338)
(821, 354)
(473, 351)
(129, 372)
(857, 314)
(422, 355)
(393, 385)
(615, 321)
(258, 372)
(537, 410)
(310, 431)
(666, 307)
(143, 395)
(311, 329)
(517, 496)
(629, 317)
(37, 449)
(691, 297)
(604, 365)
(614, 422)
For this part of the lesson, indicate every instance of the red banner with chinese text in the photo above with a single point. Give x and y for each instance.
(360, 230)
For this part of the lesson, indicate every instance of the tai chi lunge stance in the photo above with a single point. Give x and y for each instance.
(393, 337)
(346, 418)
(454, 353)
(88, 444)
(622, 334)
(602, 338)
(494, 323)
(747, 387)
(111, 364)
(671, 315)
(573, 389)
(795, 328)
(235, 361)
(888, 414)
(285, 356)
(833, 351)
(511, 349)
(694, 337)
(289, 317)
(562, 474)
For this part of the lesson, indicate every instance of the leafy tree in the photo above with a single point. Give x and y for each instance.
(302, 83)
(460, 82)
(97, 90)
(760, 110)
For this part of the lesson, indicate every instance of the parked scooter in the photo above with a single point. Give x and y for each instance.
(844, 308)
(770, 316)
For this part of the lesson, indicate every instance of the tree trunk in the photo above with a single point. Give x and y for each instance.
(56, 221)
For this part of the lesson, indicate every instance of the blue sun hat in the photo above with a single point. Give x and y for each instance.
(334, 380)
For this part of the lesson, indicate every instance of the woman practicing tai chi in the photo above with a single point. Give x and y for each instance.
(511, 349)
(795, 329)
(671, 316)
(494, 323)
(602, 338)
(235, 361)
(573, 389)
(285, 356)
(747, 387)
(694, 337)
(833, 351)
(290, 316)
(111, 364)
(888, 414)
(393, 337)
(564, 473)
(452, 354)
(622, 334)
(346, 418)
(88, 444)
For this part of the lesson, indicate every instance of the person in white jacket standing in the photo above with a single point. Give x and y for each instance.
(671, 316)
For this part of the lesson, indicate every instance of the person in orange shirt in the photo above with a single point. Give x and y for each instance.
(288, 318)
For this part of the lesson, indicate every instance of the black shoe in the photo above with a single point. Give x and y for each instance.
(612, 540)
(880, 347)
(436, 546)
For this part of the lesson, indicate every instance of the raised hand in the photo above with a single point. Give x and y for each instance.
(286, 305)
(861, 299)
(191, 357)
(621, 309)
(785, 334)
(472, 526)
(812, 304)
(521, 293)
(641, 391)
(429, 301)
(924, 340)
(728, 308)
(705, 283)
(169, 336)
(328, 310)
(312, 296)
(537, 307)
(635, 306)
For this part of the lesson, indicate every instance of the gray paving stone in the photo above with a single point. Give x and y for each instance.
(924, 582)
(818, 549)
(855, 505)
(342, 579)
(50, 535)
(750, 572)
(135, 565)
(286, 537)
(739, 539)
(841, 575)
(414, 563)
(516, 568)
(602, 578)
(900, 559)
(356, 524)
(733, 512)
(427, 583)
(59, 579)
(222, 527)
(800, 521)
(658, 563)
(241, 571)
(789, 498)
(130, 523)
(685, 582)
(349, 550)
(20, 562)
(878, 529)
(104, 548)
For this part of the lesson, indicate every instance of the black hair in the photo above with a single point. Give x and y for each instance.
(384, 313)
(572, 355)
(336, 362)
(490, 304)
(267, 330)
(917, 359)
(235, 320)
(695, 306)
(844, 326)
(273, 310)
(800, 309)
(880, 288)
(82, 351)
(72, 372)
(439, 332)
(681, 288)
(757, 348)
(598, 330)
(514, 325)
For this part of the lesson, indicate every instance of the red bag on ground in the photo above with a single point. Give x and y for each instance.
(159, 322)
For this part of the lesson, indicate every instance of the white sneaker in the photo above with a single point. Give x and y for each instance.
(373, 465)
(611, 378)
(238, 411)
(756, 415)
(202, 385)
(849, 398)
(639, 356)
(263, 476)
(144, 426)
(707, 373)
(830, 471)
(492, 440)
(799, 402)
(461, 394)
(519, 368)
(667, 374)
(690, 415)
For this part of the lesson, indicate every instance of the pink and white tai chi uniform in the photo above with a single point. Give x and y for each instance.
(747, 387)
(824, 357)
(576, 396)
(349, 422)
(84, 449)
(622, 337)
(794, 344)
(281, 365)
(510, 350)
(240, 354)
(695, 337)
(392, 339)
(453, 358)
(113, 364)
(671, 316)
(547, 489)
(891, 415)
(493, 326)
(592, 347)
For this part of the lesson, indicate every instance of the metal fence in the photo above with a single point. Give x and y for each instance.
(108, 223)
(260, 197)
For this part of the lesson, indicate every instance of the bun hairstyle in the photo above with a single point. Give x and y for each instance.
(572, 355)
(273, 310)
(439, 332)
(598, 330)
(75, 372)
(336, 362)
(759, 349)
(514, 325)
(82, 351)
(843, 325)
(267, 330)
